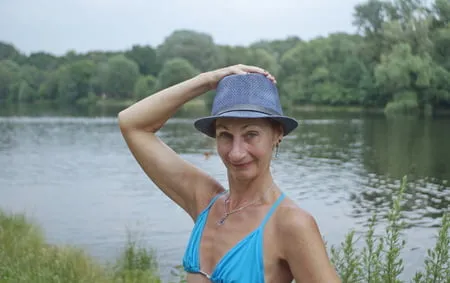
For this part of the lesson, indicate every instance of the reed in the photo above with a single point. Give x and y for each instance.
(380, 260)
(26, 257)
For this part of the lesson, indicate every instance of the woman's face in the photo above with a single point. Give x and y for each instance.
(246, 145)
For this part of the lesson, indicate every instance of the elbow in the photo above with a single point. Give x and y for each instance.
(128, 122)
(123, 121)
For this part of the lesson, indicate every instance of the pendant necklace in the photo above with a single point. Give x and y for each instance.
(227, 213)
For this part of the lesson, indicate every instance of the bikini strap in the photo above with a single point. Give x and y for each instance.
(272, 210)
(213, 200)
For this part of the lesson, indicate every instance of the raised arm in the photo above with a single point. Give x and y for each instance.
(182, 182)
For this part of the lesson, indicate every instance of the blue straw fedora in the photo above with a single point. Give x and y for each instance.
(245, 96)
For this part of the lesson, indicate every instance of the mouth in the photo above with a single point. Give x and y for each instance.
(242, 165)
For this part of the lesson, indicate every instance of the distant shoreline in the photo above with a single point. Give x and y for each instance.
(197, 106)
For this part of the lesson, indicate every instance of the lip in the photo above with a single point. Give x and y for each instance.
(242, 165)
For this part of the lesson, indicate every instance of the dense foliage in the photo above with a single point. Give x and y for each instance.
(399, 61)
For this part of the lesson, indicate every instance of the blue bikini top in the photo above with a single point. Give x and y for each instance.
(242, 263)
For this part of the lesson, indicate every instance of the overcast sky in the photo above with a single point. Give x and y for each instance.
(57, 26)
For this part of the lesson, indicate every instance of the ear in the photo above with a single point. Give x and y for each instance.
(280, 132)
(277, 135)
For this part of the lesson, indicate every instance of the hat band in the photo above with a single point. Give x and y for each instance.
(248, 107)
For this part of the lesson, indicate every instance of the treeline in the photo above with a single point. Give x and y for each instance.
(399, 60)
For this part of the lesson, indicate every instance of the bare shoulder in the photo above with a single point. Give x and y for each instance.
(292, 220)
(301, 245)
(295, 227)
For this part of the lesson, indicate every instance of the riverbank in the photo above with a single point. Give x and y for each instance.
(198, 106)
(27, 257)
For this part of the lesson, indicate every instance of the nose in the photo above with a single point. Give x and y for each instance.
(237, 152)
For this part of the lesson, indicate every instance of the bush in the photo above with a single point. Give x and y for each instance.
(402, 107)
(25, 257)
(380, 260)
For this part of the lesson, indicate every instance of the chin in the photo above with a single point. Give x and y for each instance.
(243, 174)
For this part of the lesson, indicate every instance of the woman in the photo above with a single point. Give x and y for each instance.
(251, 232)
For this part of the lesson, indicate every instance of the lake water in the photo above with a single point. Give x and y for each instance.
(76, 178)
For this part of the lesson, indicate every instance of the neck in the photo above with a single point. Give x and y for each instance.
(250, 190)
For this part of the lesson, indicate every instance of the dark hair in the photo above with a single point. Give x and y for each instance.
(276, 125)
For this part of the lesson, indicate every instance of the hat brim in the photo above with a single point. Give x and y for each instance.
(206, 124)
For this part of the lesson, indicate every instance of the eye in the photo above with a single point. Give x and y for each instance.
(223, 135)
(251, 134)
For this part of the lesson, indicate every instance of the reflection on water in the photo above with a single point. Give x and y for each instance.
(76, 177)
(417, 148)
(381, 152)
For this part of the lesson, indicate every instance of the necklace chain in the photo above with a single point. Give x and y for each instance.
(227, 213)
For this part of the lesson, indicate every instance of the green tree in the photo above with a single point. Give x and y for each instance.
(26, 93)
(32, 75)
(144, 86)
(197, 48)
(401, 70)
(296, 65)
(43, 61)
(264, 59)
(118, 76)
(405, 78)
(71, 56)
(9, 52)
(74, 81)
(233, 55)
(315, 68)
(441, 12)
(439, 91)
(9, 80)
(410, 25)
(145, 57)
(441, 42)
(175, 71)
(369, 17)
(99, 56)
(277, 47)
(67, 87)
(48, 89)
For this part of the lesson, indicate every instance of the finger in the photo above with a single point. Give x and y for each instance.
(260, 71)
(274, 81)
(253, 69)
(245, 69)
(272, 78)
(239, 71)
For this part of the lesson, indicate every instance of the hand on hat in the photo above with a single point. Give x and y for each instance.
(215, 76)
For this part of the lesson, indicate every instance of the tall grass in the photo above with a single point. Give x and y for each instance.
(26, 257)
(380, 261)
